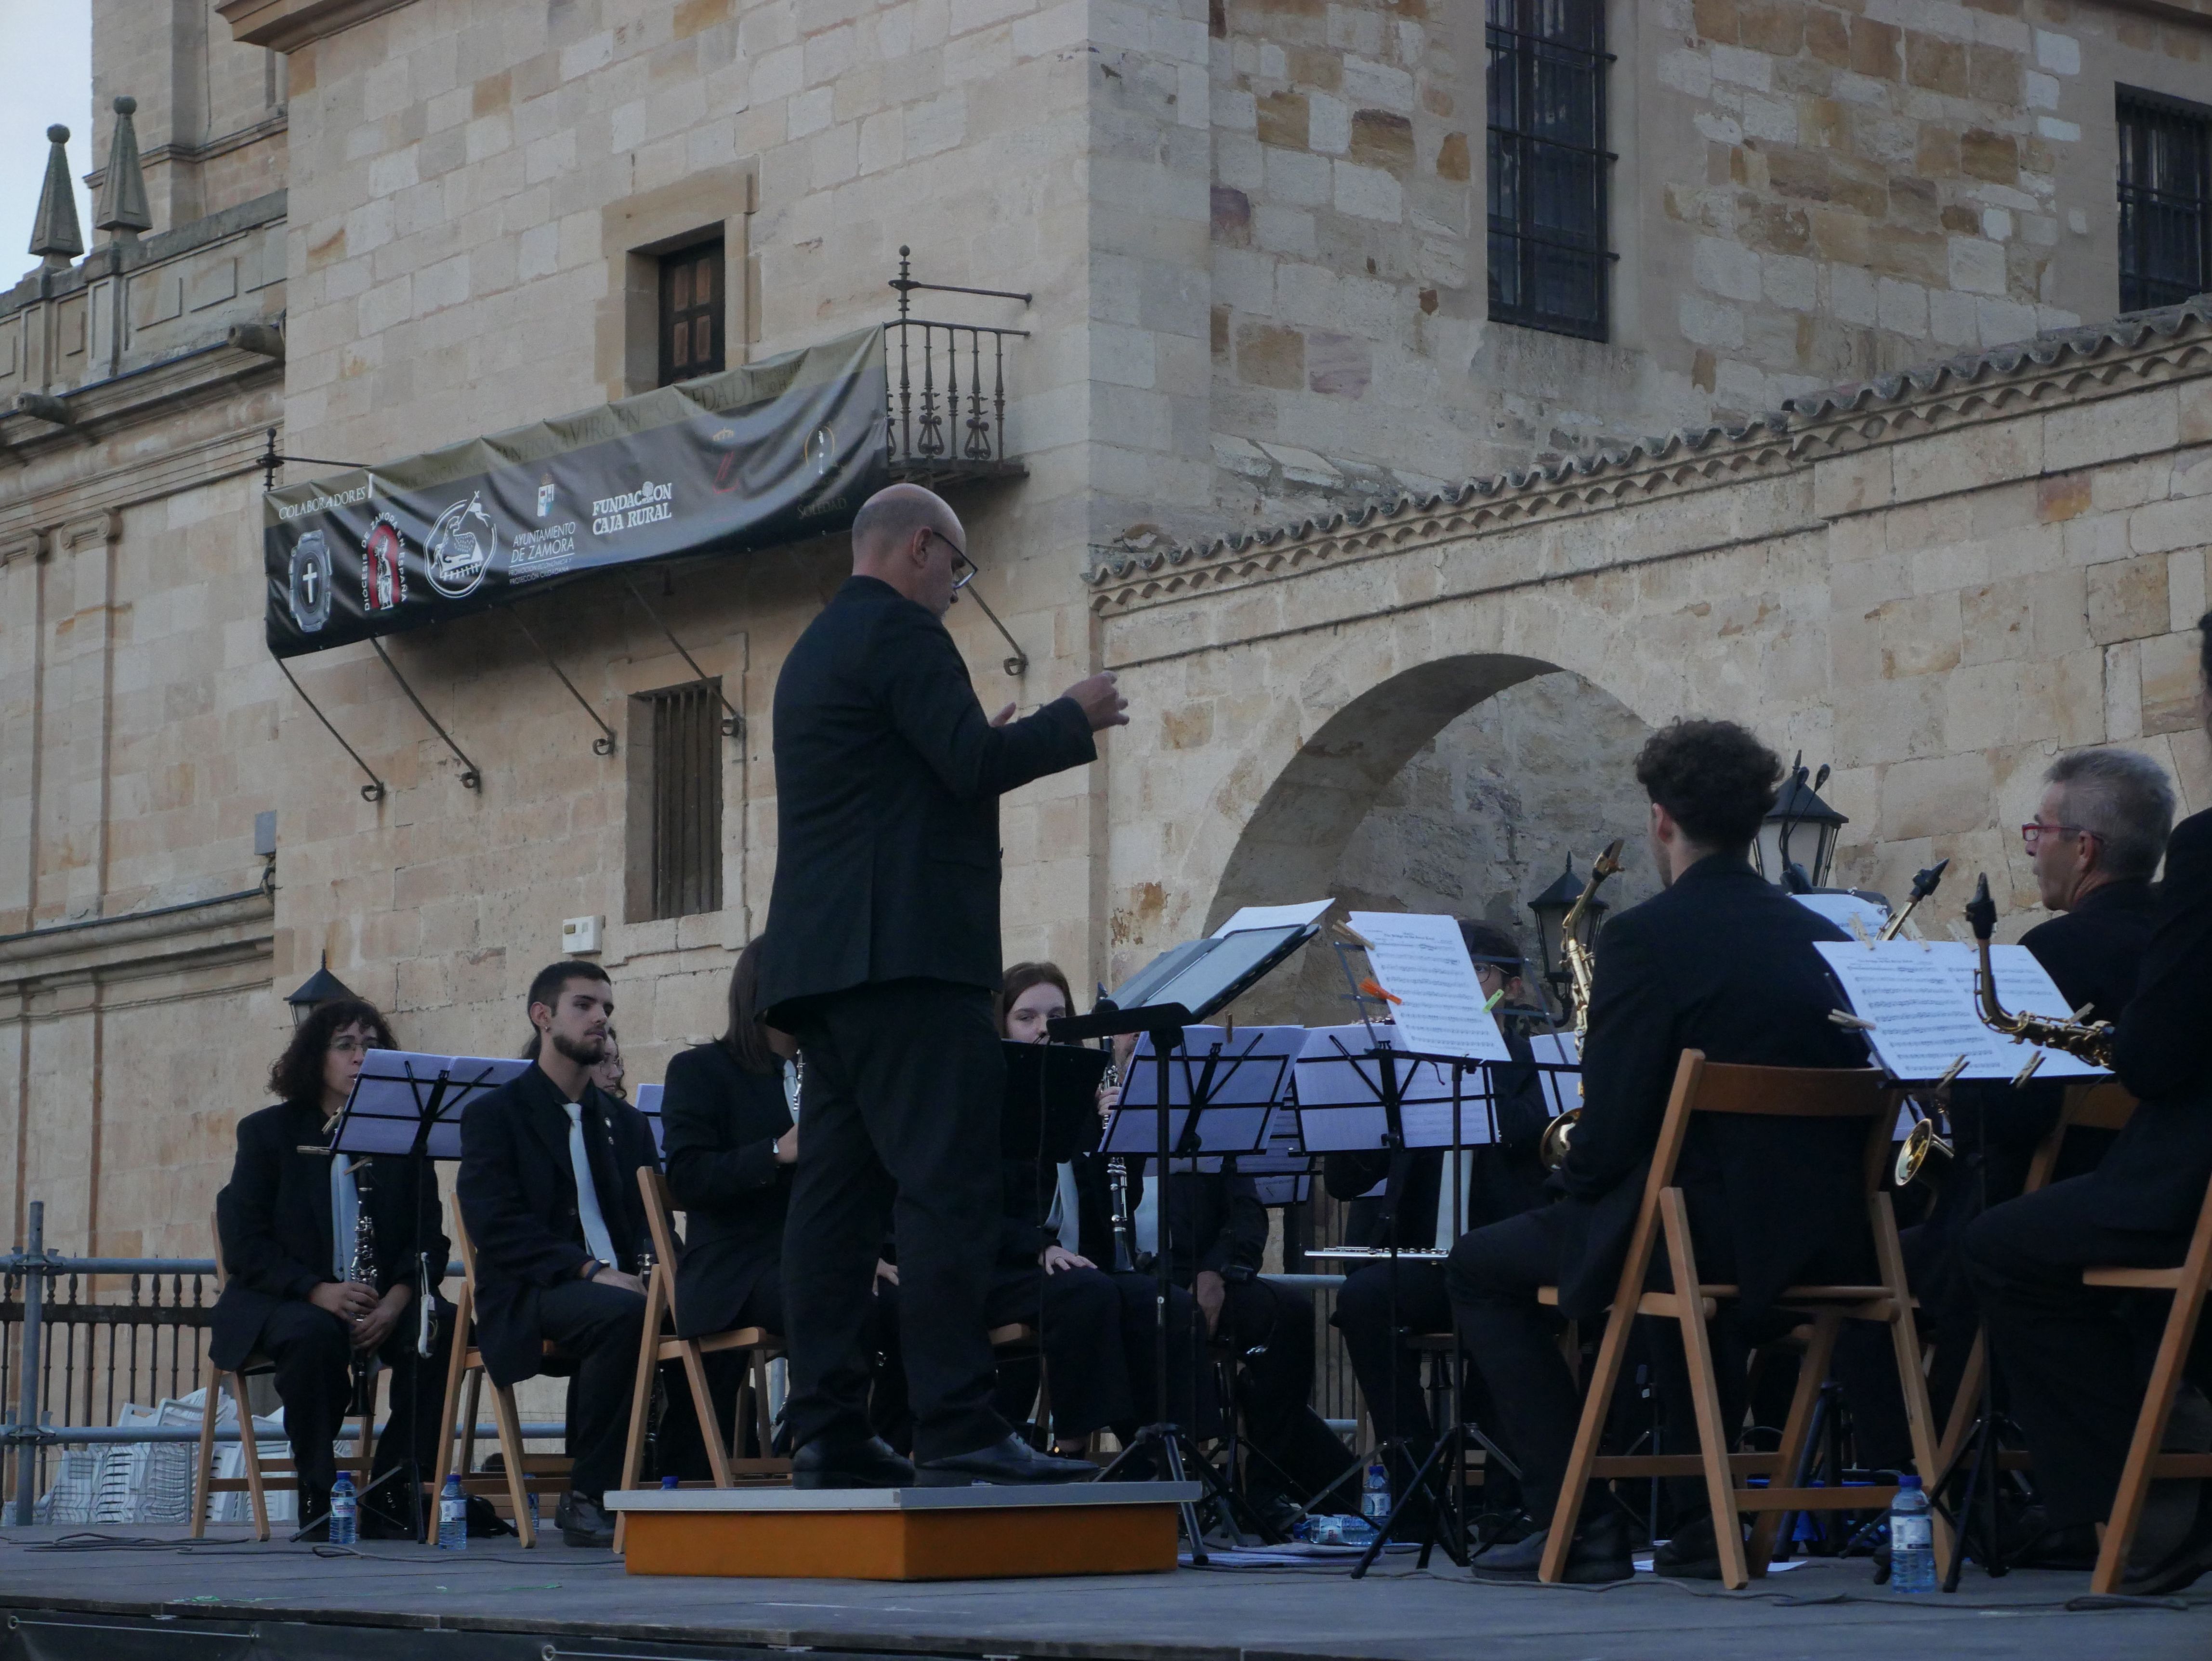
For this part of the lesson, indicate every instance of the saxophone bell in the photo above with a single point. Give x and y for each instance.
(1925, 1158)
(1551, 1151)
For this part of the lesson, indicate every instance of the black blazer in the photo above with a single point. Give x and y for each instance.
(722, 1124)
(2155, 1175)
(1722, 962)
(888, 776)
(517, 1195)
(274, 1217)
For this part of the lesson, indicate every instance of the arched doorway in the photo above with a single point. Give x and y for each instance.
(1461, 787)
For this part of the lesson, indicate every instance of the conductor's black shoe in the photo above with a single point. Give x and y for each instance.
(582, 1523)
(2185, 1567)
(1600, 1555)
(866, 1463)
(1009, 1460)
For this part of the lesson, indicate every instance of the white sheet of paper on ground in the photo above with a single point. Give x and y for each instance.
(1421, 959)
(1340, 1082)
(1273, 916)
(1921, 999)
(1840, 909)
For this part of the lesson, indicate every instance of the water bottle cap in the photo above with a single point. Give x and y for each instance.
(1909, 1481)
(668, 1481)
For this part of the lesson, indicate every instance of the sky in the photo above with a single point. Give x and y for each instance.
(47, 45)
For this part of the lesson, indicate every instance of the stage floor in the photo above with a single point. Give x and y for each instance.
(228, 1596)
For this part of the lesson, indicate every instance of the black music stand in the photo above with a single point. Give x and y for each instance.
(409, 1106)
(1175, 990)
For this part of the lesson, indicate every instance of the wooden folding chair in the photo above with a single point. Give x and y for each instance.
(2090, 1105)
(1786, 1092)
(759, 1346)
(523, 1475)
(259, 1477)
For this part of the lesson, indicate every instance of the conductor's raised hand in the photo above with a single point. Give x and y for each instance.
(1101, 700)
(1002, 716)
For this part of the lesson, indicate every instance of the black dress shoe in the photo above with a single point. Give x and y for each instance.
(1010, 1460)
(582, 1523)
(1694, 1553)
(1599, 1556)
(868, 1463)
(2183, 1567)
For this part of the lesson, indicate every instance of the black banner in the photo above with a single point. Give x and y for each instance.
(766, 453)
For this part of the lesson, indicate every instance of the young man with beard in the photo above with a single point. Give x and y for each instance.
(548, 1188)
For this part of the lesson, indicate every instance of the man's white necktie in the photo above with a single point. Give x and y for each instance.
(345, 1216)
(602, 1246)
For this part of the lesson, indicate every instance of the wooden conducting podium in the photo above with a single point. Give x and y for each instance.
(976, 1533)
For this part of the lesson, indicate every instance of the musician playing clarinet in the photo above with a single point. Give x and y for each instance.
(289, 1221)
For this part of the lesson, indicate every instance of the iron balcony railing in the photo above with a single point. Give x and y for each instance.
(948, 389)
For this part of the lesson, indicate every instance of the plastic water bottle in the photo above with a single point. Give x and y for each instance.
(452, 1516)
(1375, 1490)
(667, 1482)
(346, 1515)
(1911, 1539)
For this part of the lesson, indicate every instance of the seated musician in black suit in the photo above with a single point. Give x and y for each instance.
(548, 1187)
(287, 1219)
(732, 1142)
(1504, 1177)
(2070, 1354)
(1721, 961)
(2095, 842)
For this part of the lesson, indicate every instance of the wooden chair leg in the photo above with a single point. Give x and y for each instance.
(1911, 1381)
(2165, 1376)
(250, 1455)
(1964, 1405)
(1796, 1430)
(641, 1395)
(204, 1462)
(472, 1409)
(1566, 1512)
(710, 1423)
(1713, 1439)
(510, 1449)
(456, 1364)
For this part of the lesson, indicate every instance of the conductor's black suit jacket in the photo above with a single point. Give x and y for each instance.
(517, 1192)
(888, 776)
(2154, 1176)
(1721, 962)
(722, 1125)
(274, 1217)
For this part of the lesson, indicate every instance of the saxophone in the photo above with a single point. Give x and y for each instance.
(2090, 1040)
(1582, 971)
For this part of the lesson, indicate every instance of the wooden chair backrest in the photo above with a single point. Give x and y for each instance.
(468, 1250)
(2092, 1104)
(659, 1221)
(215, 1233)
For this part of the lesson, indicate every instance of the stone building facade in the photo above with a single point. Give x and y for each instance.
(1247, 242)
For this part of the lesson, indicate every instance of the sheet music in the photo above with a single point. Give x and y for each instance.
(1422, 959)
(1840, 909)
(1274, 917)
(1340, 1106)
(1921, 999)
(1561, 1090)
(1239, 1076)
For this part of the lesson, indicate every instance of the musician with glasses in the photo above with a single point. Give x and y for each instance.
(2073, 1356)
(288, 1220)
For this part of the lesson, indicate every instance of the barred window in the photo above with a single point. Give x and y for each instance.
(1548, 258)
(691, 309)
(2166, 199)
(675, 809)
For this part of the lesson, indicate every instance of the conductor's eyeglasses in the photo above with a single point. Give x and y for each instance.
(2034, 831)
(964, 569)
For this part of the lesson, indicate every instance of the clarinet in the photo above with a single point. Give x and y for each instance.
(1117, 1182)
(360, 1269)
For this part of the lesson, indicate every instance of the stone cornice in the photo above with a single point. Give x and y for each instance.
(234, 925)
(2071, 365)
(123, 400)
(288, 25)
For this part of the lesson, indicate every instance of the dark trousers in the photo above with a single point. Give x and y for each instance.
(1192, 1402)
(1269, 1332)
(904, 1082)
(599, 1327)
(1388, 1372)
(314, 1381)
(2069, 1355)
(1081, 1342)
(680, 1446)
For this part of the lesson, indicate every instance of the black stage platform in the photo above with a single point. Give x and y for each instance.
(227, 1600)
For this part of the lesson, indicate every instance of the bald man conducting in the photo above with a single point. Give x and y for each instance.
(881, 955)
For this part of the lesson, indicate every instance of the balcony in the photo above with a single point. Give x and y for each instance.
(947, 383)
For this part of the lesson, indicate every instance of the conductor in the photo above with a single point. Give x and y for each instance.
(881, 955)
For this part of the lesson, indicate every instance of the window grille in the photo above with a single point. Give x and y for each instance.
(1549, 265)
(2166, 199)
(684, 847)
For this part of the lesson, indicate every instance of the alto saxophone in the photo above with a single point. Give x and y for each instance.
(2091, 1041)
(1581, 973)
